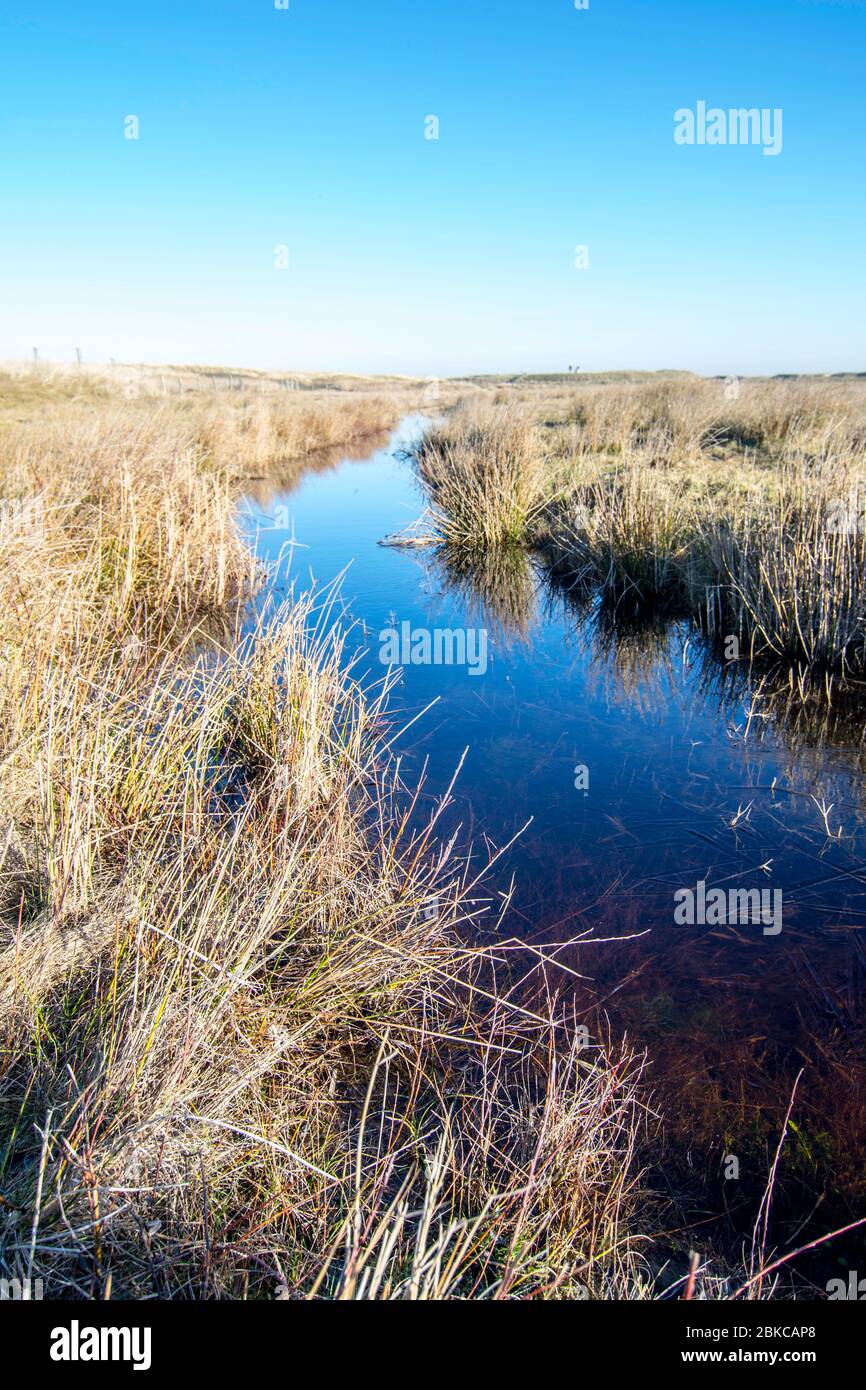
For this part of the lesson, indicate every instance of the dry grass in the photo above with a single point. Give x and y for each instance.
(483, 476)
(788, 576)
(248, 1043)
(747, 513)
(243, 433)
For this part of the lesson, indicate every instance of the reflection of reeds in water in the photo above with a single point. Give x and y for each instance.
(627, 642)
(284, 475)
(804, 708)
(497, 586)
(635, 646)
(632, 639)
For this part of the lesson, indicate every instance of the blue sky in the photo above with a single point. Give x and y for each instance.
(305, 128)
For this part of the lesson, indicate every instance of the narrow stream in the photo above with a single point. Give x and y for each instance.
(643, 766)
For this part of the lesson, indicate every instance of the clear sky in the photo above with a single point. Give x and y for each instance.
(305, 128)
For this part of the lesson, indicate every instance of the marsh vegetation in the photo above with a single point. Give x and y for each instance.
(250, 1045)
(715, 528)
(746, 513)
(270, 1024)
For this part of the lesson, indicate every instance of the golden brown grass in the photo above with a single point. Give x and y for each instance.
(483, 477)
(747, 513)
(244, 433)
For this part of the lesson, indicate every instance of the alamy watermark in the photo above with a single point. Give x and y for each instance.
(738, 126)
(846, 516)
(703, 907)
(77, 1343)
(438, 646)
(854, 1290)
(23, 516)
(21, 1290)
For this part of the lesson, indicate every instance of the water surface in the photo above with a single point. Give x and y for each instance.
(689, 771)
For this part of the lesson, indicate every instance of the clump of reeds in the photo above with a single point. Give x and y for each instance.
(790, 580)
(483, 474)
(244, 1043)
(742, 506)
(623, 530)
(124, 549)
(497, 585)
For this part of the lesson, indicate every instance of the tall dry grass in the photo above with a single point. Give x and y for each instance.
(483, 475)
(747, 513)
(790, 575)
